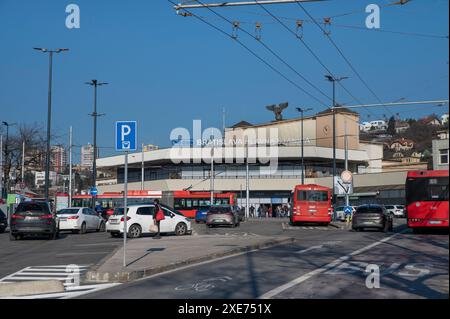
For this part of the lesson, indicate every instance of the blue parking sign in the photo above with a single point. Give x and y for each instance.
(126, 136)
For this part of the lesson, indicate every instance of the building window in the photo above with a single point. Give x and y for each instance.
(443, 156)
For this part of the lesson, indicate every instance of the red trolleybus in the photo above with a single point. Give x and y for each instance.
(188, 202)
(111, 200)
(427, 199)
(311, 204)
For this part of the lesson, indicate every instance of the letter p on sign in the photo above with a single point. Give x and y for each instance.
(126, 136)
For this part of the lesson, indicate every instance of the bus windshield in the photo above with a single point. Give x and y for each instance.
(312, 196)
(427, 189)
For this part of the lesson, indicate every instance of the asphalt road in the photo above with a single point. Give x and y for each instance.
(323, 263)
(69, 249)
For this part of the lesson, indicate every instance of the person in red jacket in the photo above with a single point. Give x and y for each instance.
(158, 216)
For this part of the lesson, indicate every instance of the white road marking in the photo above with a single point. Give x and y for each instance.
(39, 273)
(71, 292)
(272, 293)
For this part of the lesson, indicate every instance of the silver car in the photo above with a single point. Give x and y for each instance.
(222, 215)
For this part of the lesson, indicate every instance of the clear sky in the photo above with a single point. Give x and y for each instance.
(166, 70)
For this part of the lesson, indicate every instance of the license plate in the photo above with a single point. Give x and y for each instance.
(31, 218)
(63, 219)
(435, 222)
(219, 220)
(114, 221)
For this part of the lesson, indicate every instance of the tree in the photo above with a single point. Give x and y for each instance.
(391, 126)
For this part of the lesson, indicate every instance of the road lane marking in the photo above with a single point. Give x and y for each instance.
(272, 293)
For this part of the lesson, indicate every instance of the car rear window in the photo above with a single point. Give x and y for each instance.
(119, 211)
(68, 211)
(35, 208)
(369, 210)
(219, 210)
(2, 214)
(389, 207)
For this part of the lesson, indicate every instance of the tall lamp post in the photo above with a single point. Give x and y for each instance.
(49, 114)
(302, 111)
(95, 84)
(333, 110)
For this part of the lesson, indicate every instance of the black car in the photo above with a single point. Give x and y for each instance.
(33, 218)
(372, 216)
(3, 221)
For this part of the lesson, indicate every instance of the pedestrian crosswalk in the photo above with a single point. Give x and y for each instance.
(331, 227)
(70, 275)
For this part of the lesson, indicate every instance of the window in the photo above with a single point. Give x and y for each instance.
(312, 196)
(443, 156)
(146, 211)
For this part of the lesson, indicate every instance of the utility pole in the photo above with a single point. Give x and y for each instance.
(333, 110)
(49, 115)
(95, 84)
(347, 197)
(302, 111)
(247, 181)
(142, 169)
(212, 176)
(23, 163)
(70, 166)
(1, 165)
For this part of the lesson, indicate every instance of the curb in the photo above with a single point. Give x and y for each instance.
(28, 288)
(94, 276)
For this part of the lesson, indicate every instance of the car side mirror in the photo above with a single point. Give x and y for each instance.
(172, 215)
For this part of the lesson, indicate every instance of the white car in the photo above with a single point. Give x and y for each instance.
(140, 218)
(396, 210)
(80, 220)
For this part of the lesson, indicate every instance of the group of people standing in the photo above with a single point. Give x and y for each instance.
(268, 211)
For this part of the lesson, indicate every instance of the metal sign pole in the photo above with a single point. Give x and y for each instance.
(125, 204)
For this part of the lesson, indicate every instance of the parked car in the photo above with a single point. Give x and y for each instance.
(140, 217)
(33, 218)
(372, 216)
(3, 221)
(222, 215)
(200, 215)
(80, 220)
(396, 210)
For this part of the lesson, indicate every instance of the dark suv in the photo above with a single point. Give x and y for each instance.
(372, 216)
(3, 222)
(33, 218)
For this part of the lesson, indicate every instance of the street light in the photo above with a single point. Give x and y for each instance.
(95, 84)
(49, 113)
(5, 170)
(334, 80)
(302, 111)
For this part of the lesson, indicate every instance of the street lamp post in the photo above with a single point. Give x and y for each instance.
(333, 109)
(49, 115)
(302, 111)
(95, 84)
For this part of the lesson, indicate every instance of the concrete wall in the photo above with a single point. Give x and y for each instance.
(324, 130)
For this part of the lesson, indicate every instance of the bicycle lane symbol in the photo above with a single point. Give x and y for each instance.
(204, 285)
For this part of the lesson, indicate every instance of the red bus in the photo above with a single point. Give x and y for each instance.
(111, 200)
(427, 199)
(188, 202)
(311, 204)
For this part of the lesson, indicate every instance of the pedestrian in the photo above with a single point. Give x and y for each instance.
(252, 211)
(158, 216)
(259, 211)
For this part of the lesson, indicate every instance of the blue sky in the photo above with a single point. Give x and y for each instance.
(166, 70)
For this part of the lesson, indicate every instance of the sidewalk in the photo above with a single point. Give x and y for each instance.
(147, 256)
